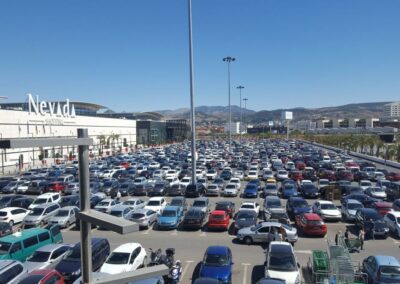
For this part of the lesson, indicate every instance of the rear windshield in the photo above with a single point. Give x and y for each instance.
(3, 214)
(137, 215)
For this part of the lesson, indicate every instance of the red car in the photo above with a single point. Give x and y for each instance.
(383, 207)
(311, 224)
(300, 165)
(43, 276)
(56, 186)
(393, 176)
(218, 219)
(327, 174)
(296, 175)
(125, 164)
(345, 175)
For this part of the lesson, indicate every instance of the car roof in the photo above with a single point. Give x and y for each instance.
(26, 233)
(353, 201)
(326, 202)
(217, 249)
(69, 207)
(172, 207)
(127, 247)
(47, 194)
(157, 198)
(8, 209)
(46, 205)
(280, 247)
(218, 212)
(51, 247)
(386, 260)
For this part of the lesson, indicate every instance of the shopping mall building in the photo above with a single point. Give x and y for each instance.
(36, 118)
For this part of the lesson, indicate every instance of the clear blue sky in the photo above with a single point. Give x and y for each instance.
(132, 55)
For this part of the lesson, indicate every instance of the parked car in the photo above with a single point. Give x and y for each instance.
(159, 188)
(250, 206)
(194, 218)
(265, 232)
(12, 186)
(156, 204)
(105, 205)
(13, 215)
(69, 200)
(271, 204)
(45, 198)
(250, 191)
(392, 219)
(350, 208)
(5, 229)
(11, 271)
(217, 263)
(40, 215)
(281, 263)
(179, 201)
(176, 189)
(372, 223)
(126, 257)
(202, 203)
(270, 189)
(170, 217)
(5, 201)
(46, 257)
(297, 205)
(289, 190)
(65, 216)
(144, 217)
(309, 191)
(327, 210)
(227, 206)
(194, 190)
(381, 269)
(376, 192)
(134, 203)
(245, 218)
(43, 276)
(70, 266)
(218, 219)
(311, 224)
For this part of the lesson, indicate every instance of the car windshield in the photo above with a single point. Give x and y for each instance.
(36, 211)
(74, 254)
(129, 202)
(377, 189)
(153, 203)
(118, 258)
(199, 204)
(274, 203)
(116, 213)
(393, 272)
(62, 213)
(282, 262)
(193, 213)
(300, 204)
(328, 206)
(314, 222)
(215, 260)
(168, 213)
(246, 216)
(354, 206)
(40, 201)
(248, 206)
(103, 203)
(176, 202)
(4, 247)
(39, 256)
(217, 216)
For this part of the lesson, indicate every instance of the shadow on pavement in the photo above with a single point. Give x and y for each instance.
(257, 273)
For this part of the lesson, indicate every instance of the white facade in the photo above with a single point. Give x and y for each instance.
(43, 122)
(391, 110)
(235, 127)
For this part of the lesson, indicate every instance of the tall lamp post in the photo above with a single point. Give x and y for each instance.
(192, 114)
(240, 100)
(229, 59)
(245, 105)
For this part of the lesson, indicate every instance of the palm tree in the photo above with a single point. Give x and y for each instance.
(102, 142)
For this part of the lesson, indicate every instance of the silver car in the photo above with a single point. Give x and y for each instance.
(40, 215)
(72, 188)
(46, 257)
(134, 203)
(264, 233)
(144, 217)
(349, 209)
(65, 216)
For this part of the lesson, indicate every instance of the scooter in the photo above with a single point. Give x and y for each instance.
(175, 273)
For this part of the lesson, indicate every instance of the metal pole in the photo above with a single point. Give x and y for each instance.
(229, 59)
(192, 110)
(287, 129)
(84, 192)
(240, 100)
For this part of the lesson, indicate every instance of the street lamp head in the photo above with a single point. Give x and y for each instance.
(240, 87)
(229, 59)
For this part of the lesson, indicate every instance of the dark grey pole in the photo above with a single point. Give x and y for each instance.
(229, 59)
(84, 192)
(240, 100)
(192, 110)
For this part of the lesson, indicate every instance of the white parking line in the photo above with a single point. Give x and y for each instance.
(146, 232)
(246, 265)
(185, 269)
(203, 234)
(174, 233)
(303, 251)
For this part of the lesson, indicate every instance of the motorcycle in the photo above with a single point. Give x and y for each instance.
(155, 257)
(175, 273)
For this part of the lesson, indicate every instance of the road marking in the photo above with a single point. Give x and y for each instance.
(146, 232)
(245, 272)
(174, 233)
(303, 251)
(396, 242)
(203, 234)
(185, 269)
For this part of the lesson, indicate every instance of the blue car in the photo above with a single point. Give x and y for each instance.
(217, 264)
(250, 191)
(289, 190)
(382, 269)
(257, 182)
(170, 218)
(297, 205)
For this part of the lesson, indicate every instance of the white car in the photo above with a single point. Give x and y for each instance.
(105, 205)
(45, 198)
(268, 174)
(282, 175)
(171, 174)
(211, 174)
(250, 206)
(13, 215)
(125, 258)
(239, 174)
(305, 181)
(22, 188)
(327, 210)
(323, 182)
(159, 174)
(379, 176)
(154, 165)
(157, 204)
(236, 181)
(392, 219)
(281, 263)
(252, 175)
(185, 181)
(231, 189)
(199, 173)
(364, 184)
(134, 203)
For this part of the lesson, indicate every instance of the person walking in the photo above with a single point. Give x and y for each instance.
(361, 237)
(118, 195)
(346, 234)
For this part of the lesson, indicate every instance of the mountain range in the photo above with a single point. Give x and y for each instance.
(220, 114)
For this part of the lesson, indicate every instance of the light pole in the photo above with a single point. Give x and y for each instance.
(192, 114)
(229, 59)
(245, 105)
(240, 100)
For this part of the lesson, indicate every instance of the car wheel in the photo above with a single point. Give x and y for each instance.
(248, 240)
(11, 223)
(67, 224)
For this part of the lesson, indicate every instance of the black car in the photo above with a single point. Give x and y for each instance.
(126, 187)
(110, 187)
(225, 175)
(176, 189)
(179, 201)
(5, 201)
(195, 190)
(5, 229)
(227, 206)
(141, 189)
(309, 190)
(245, 218)
(22, 202)
(70, 265)
(194, 219)
(372, 223)
(159, 188)
(69, 200)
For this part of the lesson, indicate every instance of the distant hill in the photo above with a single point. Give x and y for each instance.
(220, 113)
